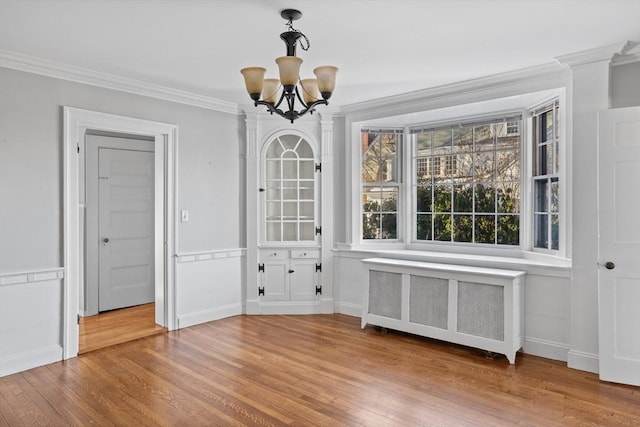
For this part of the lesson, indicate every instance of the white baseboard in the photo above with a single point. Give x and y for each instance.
(547, 349)
(29, 360)
(288, 307)
(583, 361)
(203, 316)
(348, 308)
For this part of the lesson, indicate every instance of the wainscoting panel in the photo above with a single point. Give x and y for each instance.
(30, 337)
(208, 286)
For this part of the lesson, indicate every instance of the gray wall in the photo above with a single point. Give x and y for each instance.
(210, 167)
(625, 85)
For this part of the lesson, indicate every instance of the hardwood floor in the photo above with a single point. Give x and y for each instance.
(117, 326)
(308, 370)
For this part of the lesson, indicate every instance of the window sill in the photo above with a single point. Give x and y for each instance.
(530, 262)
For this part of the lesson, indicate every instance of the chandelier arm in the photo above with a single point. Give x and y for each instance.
(304, 104)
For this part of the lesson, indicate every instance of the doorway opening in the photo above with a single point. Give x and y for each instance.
(78, 124)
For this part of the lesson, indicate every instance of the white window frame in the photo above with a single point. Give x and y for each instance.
(442, 104)
(398, 184)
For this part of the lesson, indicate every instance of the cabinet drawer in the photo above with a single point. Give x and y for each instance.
(301, 253)
(268, 254)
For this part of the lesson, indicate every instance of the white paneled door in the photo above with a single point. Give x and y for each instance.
(619, 245)
(126, 232)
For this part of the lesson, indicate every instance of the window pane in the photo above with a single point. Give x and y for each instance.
(273, 190)
(370, 169)
(508, 230)
(541, 230)
(389, 227)
(272, 169)
(508, 165)
(463, 139)
(442, 140)
(273, 210)
(484, 166)
(442, 198)
(370, 225)
(555, 232)
(485, 200)
(290, 231)
(275, 150)
(423, 227)
(508, 197)
(290, 141)
(273, 232)
(290, 169)
(423, 169)
(306, 192)
(548, 122)
(388, 169)
(541, 160)
(442, 227)
(485, 229)
(462, 228)
(290, 210)
(307, 168)
(371, 199)
(554, 195)
(541, 196)
(423, 143)
(306, 210)
(307, 231)
(484, 138)
(389, 200)
(423, 198)
(463, 168)
(463, 198)
(304, 150)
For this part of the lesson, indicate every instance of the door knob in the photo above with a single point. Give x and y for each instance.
(106, 240)
(291, 271)
(610, 265)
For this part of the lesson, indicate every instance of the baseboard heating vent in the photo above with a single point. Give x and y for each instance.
(473, 306)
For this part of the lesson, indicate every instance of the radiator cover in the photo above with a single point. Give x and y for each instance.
(473, 306)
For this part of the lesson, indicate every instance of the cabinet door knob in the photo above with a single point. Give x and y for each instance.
(610, 265)
(291, 271)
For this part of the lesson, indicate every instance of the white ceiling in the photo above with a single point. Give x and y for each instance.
(382, 47)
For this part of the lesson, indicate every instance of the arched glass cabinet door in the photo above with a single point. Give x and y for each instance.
(290, 206)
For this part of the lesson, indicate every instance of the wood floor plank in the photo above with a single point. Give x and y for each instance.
(308, 370)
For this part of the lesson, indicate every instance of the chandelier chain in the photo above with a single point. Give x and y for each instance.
(304, 46)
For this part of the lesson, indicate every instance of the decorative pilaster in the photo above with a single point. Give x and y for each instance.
(250, 293)
(326, 203)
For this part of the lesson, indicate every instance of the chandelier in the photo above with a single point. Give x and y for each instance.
(289, 88)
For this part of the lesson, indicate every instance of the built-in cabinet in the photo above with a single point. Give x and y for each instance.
(286, 248)
(290, 275)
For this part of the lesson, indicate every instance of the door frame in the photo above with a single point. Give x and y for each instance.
(76, 123)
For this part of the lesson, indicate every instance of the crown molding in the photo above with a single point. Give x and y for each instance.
(590, 56)
(630, 53)
(32, 64)
(530, 79)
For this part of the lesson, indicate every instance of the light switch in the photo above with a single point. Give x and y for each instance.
(184, 216)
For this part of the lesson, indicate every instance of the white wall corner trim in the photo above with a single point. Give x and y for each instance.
(583, 361)
(209, 315)
(29, 360)
(31, 276)
(31, 64)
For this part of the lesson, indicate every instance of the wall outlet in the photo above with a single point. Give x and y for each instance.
(184, 216)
